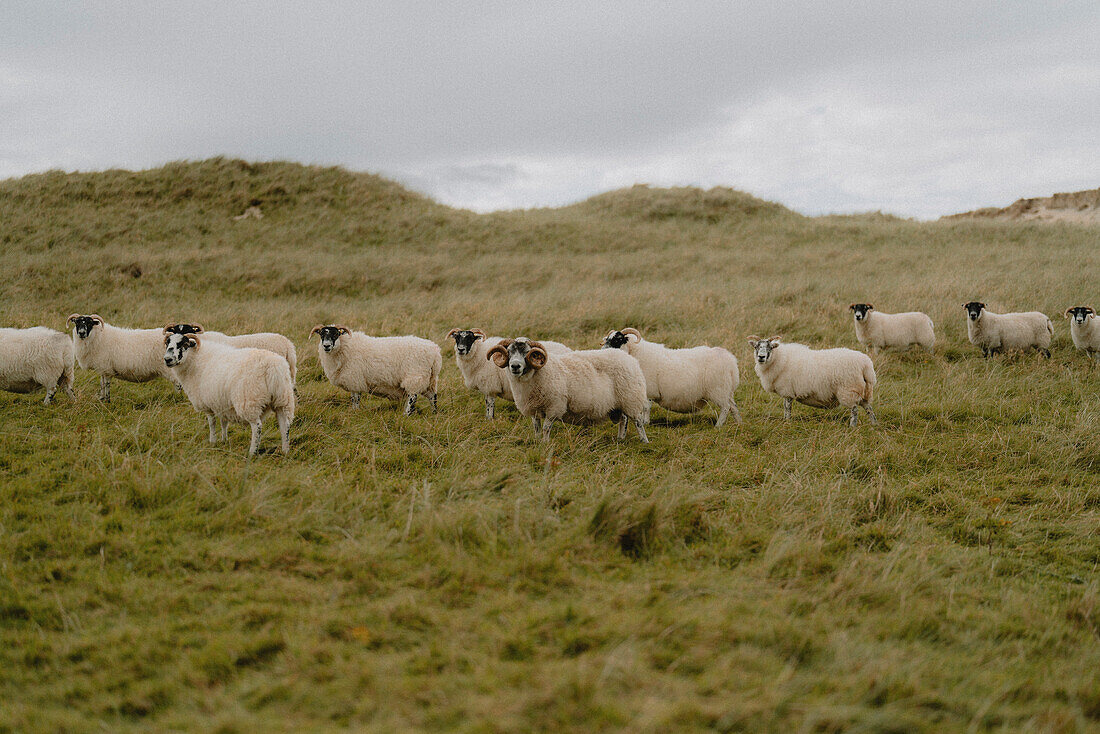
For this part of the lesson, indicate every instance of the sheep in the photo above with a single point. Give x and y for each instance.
(388, 366)
(582, 387)
(270, 341)
(471, 346)
(996, 332)
(34, 358)
(1083, 330)
(877, 330)
(683, 380)
(234, 385)
(134, 355)
(821, 378)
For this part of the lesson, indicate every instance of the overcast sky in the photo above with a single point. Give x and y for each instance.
(916, 108)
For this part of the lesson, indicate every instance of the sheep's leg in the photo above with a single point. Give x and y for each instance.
(855, 417)
(536, 423)
(490, 406)
(722, 415)
(547, 424)
(224, 425)
(787, 408)
(68, 385)
(255, 445)
(1045, 353)
(49, 393)
(640, 425)
(432, 397)
(622, 427)
(736, 412)
(284, 429)
(870, 413)
(410, 404)
(355, 400)
(210, 425)
(105, 388)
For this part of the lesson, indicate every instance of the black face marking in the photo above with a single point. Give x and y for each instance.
(175, 347)
(517, 355)
(329, 335)
(762, 350)
(615, 341)
(464, 341)
(183, 329)
(861, 310)
(1080, 314)
(974, 309)
(84, 325)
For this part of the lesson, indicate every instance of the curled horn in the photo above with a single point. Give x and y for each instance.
(536, 356)
(72, 318)
(610, 334)
(451, 333)
(479, 332)
(316, 330)
(498, 355)
(197, 326)
(1068, 313)
(342, 329)
(775, 338)
(631, 331)
(97, 317)
(753, 339)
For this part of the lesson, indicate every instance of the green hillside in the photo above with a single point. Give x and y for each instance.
(938, 572)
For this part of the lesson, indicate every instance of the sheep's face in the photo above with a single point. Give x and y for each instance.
(861, 310)
(1080, 314)
(615, 340)
(176, 348)
(466, 339)
(762, 348)
(522, 357)
(84, 325)
(974, 310)
(183, 329)
(330, 336)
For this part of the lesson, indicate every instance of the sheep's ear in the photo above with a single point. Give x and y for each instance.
(537, 356)
(498, 355)
(479, 333)
(343, 329)
(851, 307)
(451, 333)
(197, 327)
(167, 336)
(96, 317)
(1068, 313)
(631, 331)
(774, 339)
(753, 340)
(72, 318)
(193, 342)
(168, 327)
(610, 334)
(315, 330)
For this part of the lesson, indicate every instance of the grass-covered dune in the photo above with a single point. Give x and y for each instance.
(938, 572)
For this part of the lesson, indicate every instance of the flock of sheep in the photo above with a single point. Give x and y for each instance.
(242, 379)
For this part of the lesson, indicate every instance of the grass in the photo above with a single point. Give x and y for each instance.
(441, 572)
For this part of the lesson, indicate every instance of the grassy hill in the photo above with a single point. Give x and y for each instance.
(441, 572)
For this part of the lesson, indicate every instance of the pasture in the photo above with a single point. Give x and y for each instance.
(938, 572)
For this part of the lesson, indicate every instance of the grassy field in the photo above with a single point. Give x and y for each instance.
(938, 572)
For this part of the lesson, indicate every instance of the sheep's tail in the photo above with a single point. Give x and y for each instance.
(66, 381)
(1050, 327)
(433, 377)
(280, 386)
(868, 381)
(292, 360)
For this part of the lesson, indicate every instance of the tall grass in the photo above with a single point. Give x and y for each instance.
(936, 573)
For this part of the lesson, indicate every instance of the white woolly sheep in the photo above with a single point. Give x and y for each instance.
(133, 355)
(683, 380)
(34, 358)
(471, 346)
(234, 385)
(399, 367)
(877, 330)
(268, 340)
(580, 387)
(820, 378)
(997, 332)
(1084, 331)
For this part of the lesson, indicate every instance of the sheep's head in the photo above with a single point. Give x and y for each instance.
(762, 348)
(520, 356)
(330, 335)
(620, 339)
(861, 310)
(84, 325)
(1080, 314)
(183, 329)
(176, 347)
(465, 339)
(974, 309)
